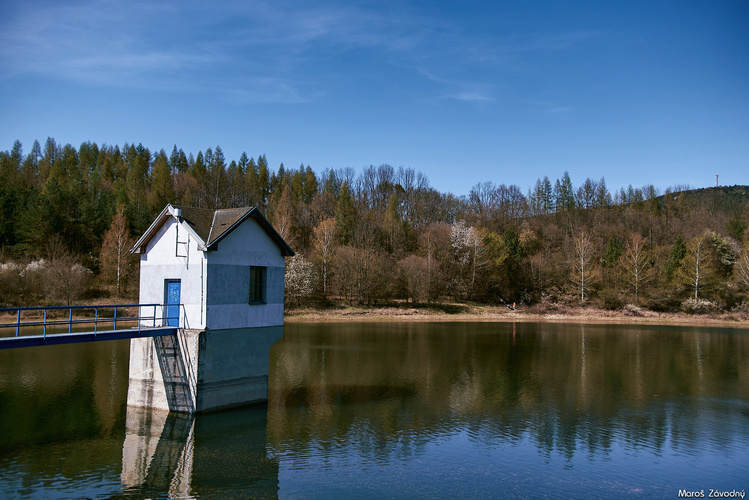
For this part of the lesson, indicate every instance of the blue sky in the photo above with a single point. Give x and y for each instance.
(466, 92)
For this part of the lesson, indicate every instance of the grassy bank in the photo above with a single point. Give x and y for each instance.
(473, 312)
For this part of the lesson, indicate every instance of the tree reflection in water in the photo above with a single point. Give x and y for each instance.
(398, 410)
(573, 392)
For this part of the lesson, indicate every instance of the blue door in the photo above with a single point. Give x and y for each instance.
(171, 302)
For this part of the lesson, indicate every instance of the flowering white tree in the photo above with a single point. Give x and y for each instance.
(299, 279)
(469, 248)
(460, 237)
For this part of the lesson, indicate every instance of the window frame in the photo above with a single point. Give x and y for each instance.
(258, 285)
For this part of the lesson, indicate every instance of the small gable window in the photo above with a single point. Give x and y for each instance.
(257, 284)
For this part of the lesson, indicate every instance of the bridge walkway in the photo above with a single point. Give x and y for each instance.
(37, 326)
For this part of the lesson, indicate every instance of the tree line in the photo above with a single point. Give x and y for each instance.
(374, 236)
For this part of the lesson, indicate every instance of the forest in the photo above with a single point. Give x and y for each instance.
(382, 235)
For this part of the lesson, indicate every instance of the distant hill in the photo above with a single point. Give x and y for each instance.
(728, 199)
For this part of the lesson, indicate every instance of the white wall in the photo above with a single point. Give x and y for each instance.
(159, 262)
(228, 273)
(215, 284)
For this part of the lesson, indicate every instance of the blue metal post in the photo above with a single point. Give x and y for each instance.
(70, 319)
(96, 318)
(45, 324)
(115, 318)
(18, 322)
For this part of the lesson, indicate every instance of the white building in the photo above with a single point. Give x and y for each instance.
(220, 274)
(225, 266)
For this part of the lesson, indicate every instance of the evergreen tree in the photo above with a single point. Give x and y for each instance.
(200, 174)
(263, 183)
(565, 194)
(675, 256)
(30, 167)
(346, 215)
(162, 188)
(603, 197)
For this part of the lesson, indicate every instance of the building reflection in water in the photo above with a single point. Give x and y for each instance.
(188, 456)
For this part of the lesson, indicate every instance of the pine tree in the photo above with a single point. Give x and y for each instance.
(162, 188)
(675, 256)
(346, 215)
(564, 194)
(263, 183)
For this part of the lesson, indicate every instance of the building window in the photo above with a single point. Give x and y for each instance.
(257, 285)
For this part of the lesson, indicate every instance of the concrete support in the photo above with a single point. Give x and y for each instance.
(200, 370)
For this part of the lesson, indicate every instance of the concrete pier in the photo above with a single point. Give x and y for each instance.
(200, 370)
(220, 276)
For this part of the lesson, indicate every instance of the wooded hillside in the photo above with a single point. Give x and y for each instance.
(68, 216)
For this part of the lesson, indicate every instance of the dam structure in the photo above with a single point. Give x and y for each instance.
(220, 276)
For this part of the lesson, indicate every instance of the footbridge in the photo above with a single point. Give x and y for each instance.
(222, 269)
(51, 325)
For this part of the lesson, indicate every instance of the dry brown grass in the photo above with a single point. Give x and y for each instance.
(556, 313)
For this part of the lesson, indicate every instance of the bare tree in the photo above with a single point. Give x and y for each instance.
(636, 264)
(116, 260)
(478, 255)
(741, 269)
(435, 241)
(696, 267)
(582, 274)
(415, 273)
(324, 238)
(65, 278)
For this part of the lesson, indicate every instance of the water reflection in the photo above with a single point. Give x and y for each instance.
(158, 450)
(582, 394)
(397, 410)
(66, 432)
(220, 455)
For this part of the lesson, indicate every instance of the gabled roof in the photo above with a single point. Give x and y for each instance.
(211, 226)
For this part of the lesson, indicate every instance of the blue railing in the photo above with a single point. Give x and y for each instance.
(56, 319)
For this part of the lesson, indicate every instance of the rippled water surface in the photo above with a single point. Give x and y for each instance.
(478, 410)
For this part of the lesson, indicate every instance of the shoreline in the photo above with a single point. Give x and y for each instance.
(499, 314)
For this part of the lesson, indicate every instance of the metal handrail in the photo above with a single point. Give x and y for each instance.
(97, 319)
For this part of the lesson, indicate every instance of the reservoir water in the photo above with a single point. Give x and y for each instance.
(399, 410)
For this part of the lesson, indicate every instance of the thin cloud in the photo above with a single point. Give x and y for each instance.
(472, 96)
(475, 92)
(254, 51)
(549, 107)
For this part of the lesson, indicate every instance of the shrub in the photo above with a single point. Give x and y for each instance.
(611, 301)
(741, 308)
(633, 310)
(663, 303)
(698, 306)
